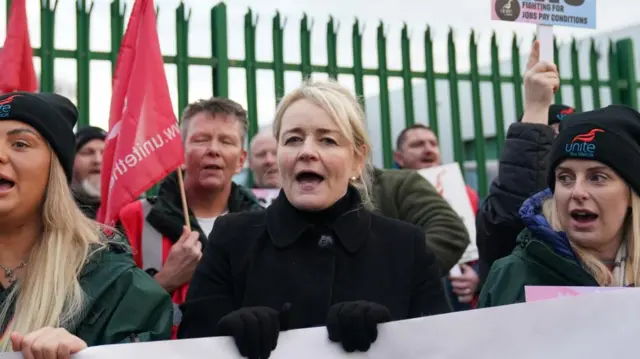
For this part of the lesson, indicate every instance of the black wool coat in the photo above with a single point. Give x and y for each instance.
(281, 255)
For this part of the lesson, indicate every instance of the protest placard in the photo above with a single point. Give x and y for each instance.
(589, 326)
(546, 14)
(573, 13)
(265, 195)
(448, 181)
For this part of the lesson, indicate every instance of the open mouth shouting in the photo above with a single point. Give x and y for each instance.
(6, 184)
(212, 167)
(309, 180)
(583, 218)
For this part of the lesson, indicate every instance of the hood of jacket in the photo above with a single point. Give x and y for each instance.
(166, 214)
(534, 220)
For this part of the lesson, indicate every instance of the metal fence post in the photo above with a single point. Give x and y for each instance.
(219, 50)
(627, 71)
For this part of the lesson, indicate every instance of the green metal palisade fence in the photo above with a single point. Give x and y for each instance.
(621, 77)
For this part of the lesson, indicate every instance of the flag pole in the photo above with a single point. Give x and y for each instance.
(183, 196)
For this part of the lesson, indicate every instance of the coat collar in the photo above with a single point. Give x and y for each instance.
(166, 214)
(286, 224)
(535, 221)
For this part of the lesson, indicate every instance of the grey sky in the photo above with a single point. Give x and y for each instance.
(462, 15)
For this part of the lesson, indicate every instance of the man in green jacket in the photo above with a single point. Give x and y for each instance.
(407, 196)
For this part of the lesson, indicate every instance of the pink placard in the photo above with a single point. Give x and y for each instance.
(536, 293)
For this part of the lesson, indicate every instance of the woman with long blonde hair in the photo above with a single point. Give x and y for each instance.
(64, 284)
(585, 229)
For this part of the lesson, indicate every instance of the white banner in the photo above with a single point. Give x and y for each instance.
(600, 325)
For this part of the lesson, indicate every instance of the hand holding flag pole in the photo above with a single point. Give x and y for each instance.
(183, 197)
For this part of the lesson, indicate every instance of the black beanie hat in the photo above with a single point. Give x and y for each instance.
(609, 135)
(557, 113)
(52, 115)
(88, 133)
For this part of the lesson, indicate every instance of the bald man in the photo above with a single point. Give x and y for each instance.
(262, 160)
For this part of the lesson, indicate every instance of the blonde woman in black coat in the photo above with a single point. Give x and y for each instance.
(317, 255)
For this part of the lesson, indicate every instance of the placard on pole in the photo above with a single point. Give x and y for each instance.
(546, 14)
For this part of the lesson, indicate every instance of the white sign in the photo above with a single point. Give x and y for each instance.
(555, 328)
(571, 13)
(546, 14)
(448, 181)
(266, 195)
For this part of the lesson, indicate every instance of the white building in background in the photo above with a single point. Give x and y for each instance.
(396, 98)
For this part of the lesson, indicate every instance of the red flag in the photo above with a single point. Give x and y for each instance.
(144, 143)
(16, 57)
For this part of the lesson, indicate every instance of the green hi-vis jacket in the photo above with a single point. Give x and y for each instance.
(123, 304)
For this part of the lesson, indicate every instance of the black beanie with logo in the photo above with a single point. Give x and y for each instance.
(557, 113)
(610, 135)
(52, 115)
(88, 133)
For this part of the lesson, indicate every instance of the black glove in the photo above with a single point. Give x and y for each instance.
(254, 329)
(355, 324)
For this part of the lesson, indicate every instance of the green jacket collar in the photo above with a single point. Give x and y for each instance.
(533, 250)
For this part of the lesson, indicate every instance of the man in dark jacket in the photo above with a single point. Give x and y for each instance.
(213, 132)
(87, 165)
(522, 173)
(418, 147)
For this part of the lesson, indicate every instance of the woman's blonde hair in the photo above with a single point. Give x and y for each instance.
(599, 270)
(50, 295)
(343, 107)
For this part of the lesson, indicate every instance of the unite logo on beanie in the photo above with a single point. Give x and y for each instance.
(582, 146)
(5, 106)
(563, 113)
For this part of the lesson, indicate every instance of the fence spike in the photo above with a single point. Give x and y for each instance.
(408, 31)
(451, 35)
(281, 24)
(383, 29)
(430, 32)
(91, 7)
(331, 25)
(357, 25)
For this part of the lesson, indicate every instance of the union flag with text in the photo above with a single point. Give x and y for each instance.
(16, 57)
(144, 144)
